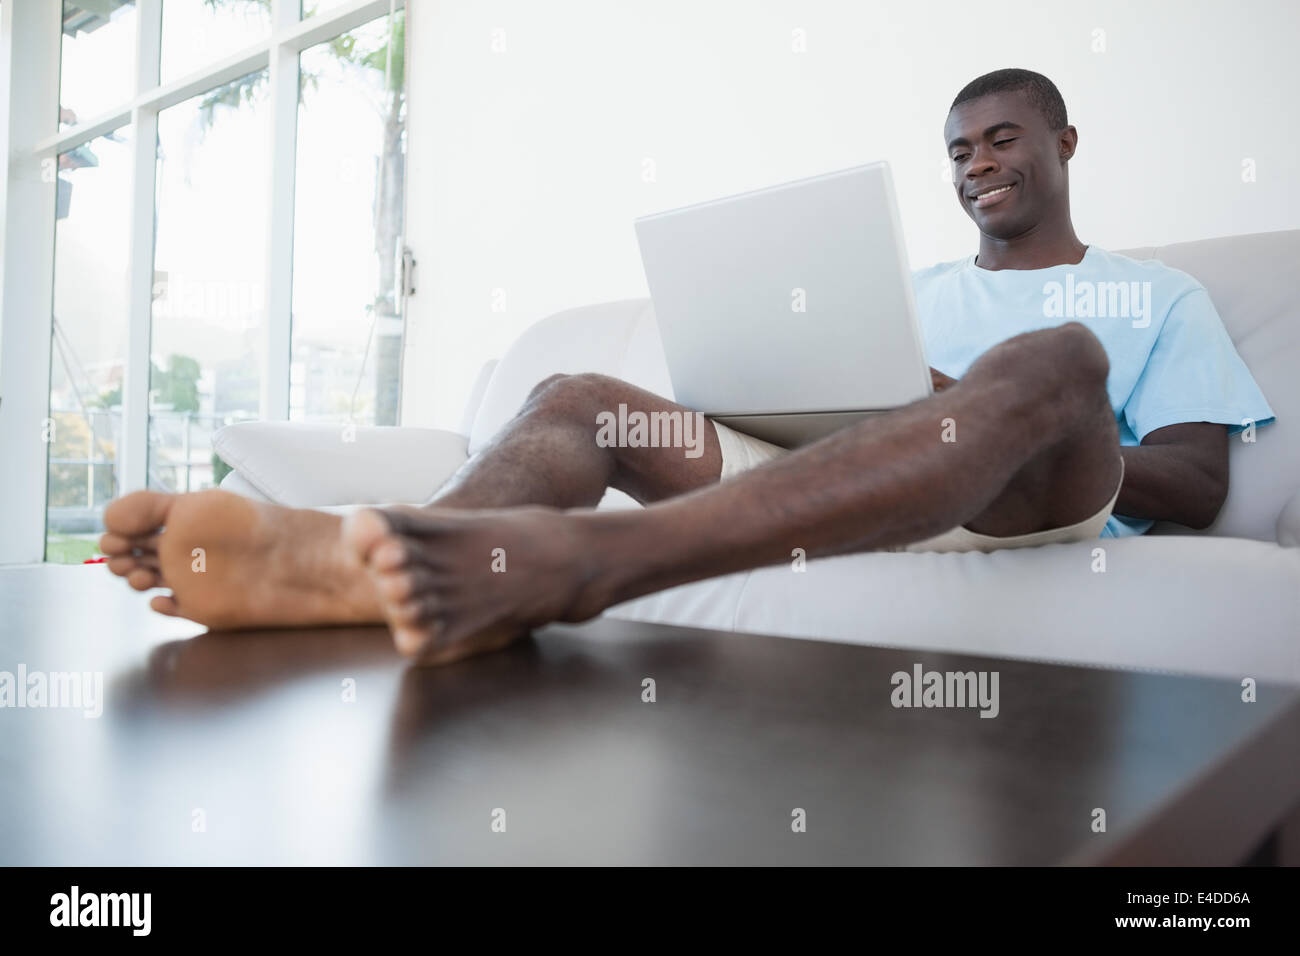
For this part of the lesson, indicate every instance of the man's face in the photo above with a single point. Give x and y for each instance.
(1008, 167)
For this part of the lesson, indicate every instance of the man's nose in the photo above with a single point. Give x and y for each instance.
(981, 163)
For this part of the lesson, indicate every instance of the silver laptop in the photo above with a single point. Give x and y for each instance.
(787, 312)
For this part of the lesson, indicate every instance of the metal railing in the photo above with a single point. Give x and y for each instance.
(176, 452)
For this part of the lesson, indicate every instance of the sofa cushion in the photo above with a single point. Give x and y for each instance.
(476, 393)
(592, 338)
(237, 484)
(304, 465)
(1288, 523)
(1227, 607)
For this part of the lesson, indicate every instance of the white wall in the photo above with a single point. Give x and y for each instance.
(526, 165)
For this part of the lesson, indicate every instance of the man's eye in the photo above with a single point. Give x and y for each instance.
(1003, 142)
(960, 158)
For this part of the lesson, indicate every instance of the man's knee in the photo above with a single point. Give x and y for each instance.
(1080, 368)
(1081, 351)
(544, 385)
(579, 395)
(1059, 362)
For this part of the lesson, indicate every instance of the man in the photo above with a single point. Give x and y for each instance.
(1065, 430)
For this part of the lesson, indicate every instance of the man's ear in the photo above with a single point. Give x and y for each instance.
(1067, 142)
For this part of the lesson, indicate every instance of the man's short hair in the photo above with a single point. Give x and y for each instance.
(1041, 91)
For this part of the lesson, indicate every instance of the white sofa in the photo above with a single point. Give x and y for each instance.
(1224, 602)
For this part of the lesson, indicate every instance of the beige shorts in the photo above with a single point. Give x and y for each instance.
(741, 452)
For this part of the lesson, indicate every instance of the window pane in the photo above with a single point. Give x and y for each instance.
(98, 56)
(312, 7)
(199, 32)
(208, 339)
(89, 342)
(347, 221)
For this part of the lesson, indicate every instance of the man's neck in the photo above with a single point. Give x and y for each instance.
(1039, 248)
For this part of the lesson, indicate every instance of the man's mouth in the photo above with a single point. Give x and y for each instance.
(991, 196)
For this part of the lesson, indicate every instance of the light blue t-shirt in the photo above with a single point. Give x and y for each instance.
(1171, 359)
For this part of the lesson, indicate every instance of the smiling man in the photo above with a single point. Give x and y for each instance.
(1176, 382)
(1068, 431)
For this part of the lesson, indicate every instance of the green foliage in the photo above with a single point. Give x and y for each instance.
(178, 385)
(219, 469)
(378, 59)
(248, 89)
(107, 399)
(245, 90)
(61, 549)
(67, 483)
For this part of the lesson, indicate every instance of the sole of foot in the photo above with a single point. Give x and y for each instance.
(232, 563)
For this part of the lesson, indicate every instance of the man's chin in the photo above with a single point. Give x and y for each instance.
(1001, 230)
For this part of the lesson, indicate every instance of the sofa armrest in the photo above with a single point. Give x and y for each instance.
(311, 466)
(237, 484)
(1288, 523)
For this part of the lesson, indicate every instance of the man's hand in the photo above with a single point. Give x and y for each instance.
(939, 380)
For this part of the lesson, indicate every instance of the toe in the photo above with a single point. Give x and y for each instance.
(363, 530)
(408, 583)
(142, 579)
(143, 550)
(112, 544)
(418, 611)
(411, 641)
(449, 648)
(123, 564)
(396, 588)
(416, 522)
(389, 555)
(414, 624)
(138, 514)
(165, 604)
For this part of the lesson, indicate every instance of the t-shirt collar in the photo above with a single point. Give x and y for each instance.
(1087, 252)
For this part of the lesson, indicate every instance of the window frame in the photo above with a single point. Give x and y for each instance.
(30, 50)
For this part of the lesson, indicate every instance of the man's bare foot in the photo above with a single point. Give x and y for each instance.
(453, 584)
(235, 563)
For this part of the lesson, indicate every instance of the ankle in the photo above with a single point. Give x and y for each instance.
(610, 560)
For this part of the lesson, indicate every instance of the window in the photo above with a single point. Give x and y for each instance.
(88, 341)
(347, 223)
(208, 330)
(195, 33)
(97, 50)
(312, 7)
(184, 291)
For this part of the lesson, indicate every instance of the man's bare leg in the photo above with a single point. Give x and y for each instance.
(1036, 448)
(232, 563)
(235, 563)
(548, 454)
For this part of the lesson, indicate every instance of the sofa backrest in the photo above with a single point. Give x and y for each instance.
(1248, 278)
(591, 338)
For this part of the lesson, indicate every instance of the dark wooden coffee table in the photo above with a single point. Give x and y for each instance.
(244, 748)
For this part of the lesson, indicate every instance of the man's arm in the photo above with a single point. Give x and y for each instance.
(1179, 473)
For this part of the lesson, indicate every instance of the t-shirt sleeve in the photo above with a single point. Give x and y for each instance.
(1194, 374)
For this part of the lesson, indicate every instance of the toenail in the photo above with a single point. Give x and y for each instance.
(390, 553)
(397, 587)
(410, 643)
